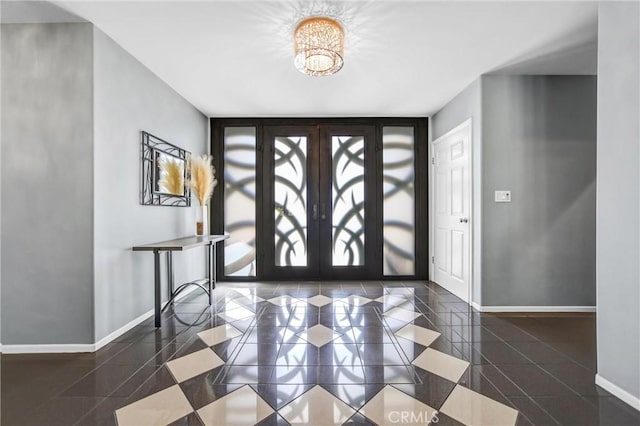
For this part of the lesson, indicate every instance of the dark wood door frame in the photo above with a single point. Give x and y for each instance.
(420, 125)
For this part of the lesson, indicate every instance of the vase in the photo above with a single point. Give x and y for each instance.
(202, 221)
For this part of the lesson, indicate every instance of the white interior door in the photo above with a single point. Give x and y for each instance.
(452, 211)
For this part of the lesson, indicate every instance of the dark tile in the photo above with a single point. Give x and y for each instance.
(569, 410)
(227, 348)
(534, 381)
(354, 395)
(442, 419)
(389, 374)
(410, 349)
(104, 413)
(273, 419)
(61, 411)
(473, 333)
(582, 352)
(540, 353)
(273, 319)
(578, 378)
(531, 412)
(298, 354)
(138, 353)
(246, 374)
(190, 420)
(102, 381)
(135, 381)
(201, 390)
(278, 395)
(343, 374)
(359, 419)
(433, 390)
(474, 379)
(614, 412)
(160, 380)
(381, 354)
(500, 353)
(193, 345)
(371, 335)
(256, 354)
(510, 333)
(498, 379)
(339, 354)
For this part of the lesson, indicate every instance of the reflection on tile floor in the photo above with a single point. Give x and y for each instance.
(322, 354)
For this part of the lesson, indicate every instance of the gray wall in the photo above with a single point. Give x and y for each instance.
(468, 104)
(539, 141)
(618, 210)
(128, 99)
(536, 136)
(47, 184)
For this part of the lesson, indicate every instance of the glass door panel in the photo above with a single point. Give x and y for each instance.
(348, 200)
(347, 186)
(290, 182)
(290, 189)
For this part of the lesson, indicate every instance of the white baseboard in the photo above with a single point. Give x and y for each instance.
(48, 349)
(87, 347)
(618, 392)
(540, 309)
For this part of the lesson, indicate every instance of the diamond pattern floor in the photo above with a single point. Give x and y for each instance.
(321, 354)
(314, 345)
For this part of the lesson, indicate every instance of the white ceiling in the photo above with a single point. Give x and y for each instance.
(402, 58)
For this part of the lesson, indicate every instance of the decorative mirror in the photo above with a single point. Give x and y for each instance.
(164, 173)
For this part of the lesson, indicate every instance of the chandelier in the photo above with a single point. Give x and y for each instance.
(319, 46)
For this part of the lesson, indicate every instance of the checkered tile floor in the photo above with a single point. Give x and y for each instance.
(315, 355)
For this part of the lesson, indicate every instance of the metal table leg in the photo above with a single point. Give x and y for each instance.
(158, 290)
(170, 277)
(210, 270)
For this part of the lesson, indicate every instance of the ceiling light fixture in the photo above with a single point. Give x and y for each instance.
(319, 46)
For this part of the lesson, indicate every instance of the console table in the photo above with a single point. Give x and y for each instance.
(181, 244)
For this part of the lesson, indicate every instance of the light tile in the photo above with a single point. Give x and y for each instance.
(285, 300)
(319, 335)
(235, 314)
(436, 362)
(417, 334)
(390, 300)
(216, 335)
(159, 408)
(401, 314)
(191, 365)
(316, 407)
(472, 408)
(319, 300)
(391, 407)
(355, 300)
(241, 407)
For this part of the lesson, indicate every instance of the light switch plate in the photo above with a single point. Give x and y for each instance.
(503, 196)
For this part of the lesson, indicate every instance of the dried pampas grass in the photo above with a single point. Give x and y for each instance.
(202, 178)
(172, 176)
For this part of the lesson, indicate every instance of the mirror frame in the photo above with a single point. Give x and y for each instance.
(151, 146)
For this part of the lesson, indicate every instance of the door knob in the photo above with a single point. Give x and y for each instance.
(464, 220)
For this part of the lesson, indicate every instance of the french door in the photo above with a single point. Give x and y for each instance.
(318, 204)
(321, 198)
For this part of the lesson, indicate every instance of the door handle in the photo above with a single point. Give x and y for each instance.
(323, 214)
(464, 220)
(315, 211)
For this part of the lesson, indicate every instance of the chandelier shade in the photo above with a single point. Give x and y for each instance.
(319, 46)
